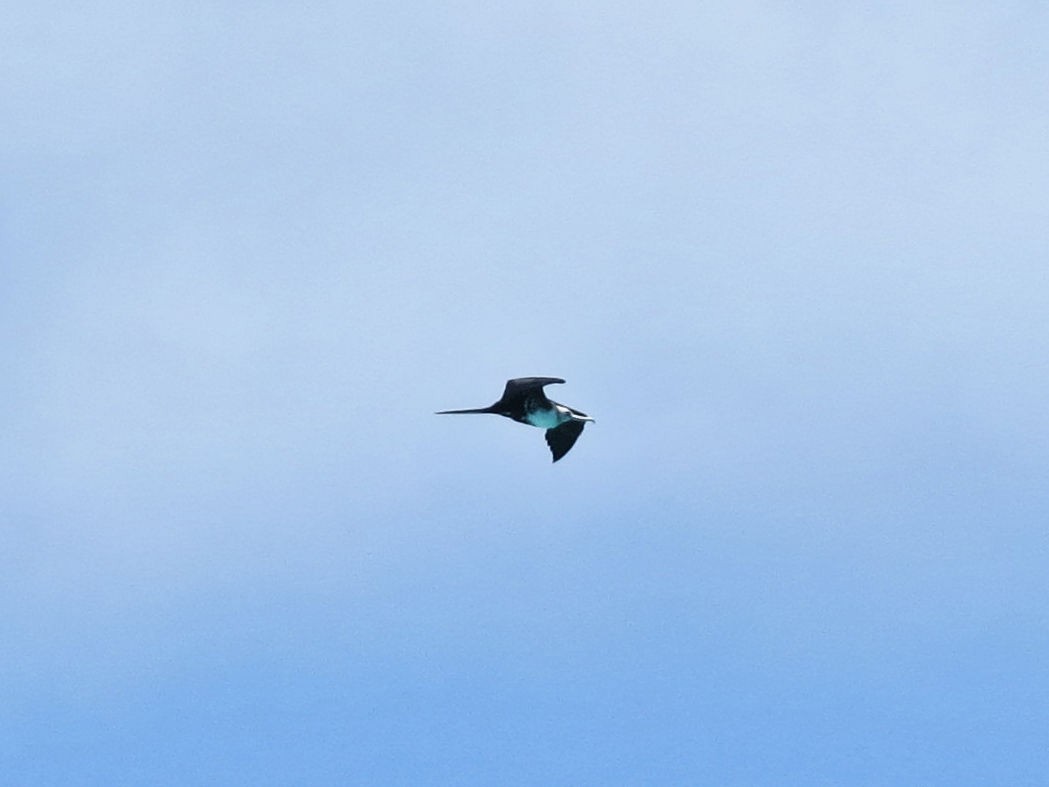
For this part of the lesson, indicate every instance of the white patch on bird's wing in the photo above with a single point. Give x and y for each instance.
(548, 419)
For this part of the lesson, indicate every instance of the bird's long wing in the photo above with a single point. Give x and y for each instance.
(522, 385)
(562, 438)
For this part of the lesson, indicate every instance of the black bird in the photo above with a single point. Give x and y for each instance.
(524, 401)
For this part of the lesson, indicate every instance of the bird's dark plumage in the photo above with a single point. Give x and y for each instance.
(562, 438)
(524, 401)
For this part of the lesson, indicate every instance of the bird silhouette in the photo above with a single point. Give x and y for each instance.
(524, 401)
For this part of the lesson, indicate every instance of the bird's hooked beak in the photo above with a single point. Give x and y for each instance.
(583, 418)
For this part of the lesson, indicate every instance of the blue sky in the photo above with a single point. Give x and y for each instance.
(793, 260)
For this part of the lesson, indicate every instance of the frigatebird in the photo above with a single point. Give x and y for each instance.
(524, 401)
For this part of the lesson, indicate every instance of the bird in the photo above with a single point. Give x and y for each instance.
(524, 401)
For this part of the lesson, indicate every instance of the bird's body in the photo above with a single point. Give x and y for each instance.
(523, 400)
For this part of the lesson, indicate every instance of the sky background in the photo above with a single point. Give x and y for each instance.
(792, 257)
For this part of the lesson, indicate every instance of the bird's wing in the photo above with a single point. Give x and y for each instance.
(522, 385)
(562, 438)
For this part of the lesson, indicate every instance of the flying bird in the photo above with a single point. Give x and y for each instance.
(524, 401)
